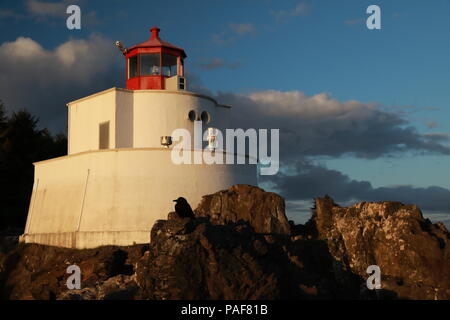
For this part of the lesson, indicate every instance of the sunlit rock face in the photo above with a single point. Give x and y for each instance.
(264, 211)
(412, 253)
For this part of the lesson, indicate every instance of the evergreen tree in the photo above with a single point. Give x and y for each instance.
(21, 144)
(3, 118)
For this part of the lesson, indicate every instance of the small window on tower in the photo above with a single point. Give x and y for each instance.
(206, 117)
(104, 135)
(192, 115)
(132, 67)
(150, 64)
(181, 83)
(169, 65)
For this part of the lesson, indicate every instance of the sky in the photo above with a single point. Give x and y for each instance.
(363, 114)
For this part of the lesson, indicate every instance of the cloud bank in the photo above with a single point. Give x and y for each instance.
(47, 9)
(306, 181)
(319, 125)
(43, 81)
(300, 9)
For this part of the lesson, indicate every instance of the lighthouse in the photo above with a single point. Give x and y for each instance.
(118, 177)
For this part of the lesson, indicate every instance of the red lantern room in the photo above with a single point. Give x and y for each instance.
(154, 64)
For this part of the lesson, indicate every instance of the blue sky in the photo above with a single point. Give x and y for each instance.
(243, 47)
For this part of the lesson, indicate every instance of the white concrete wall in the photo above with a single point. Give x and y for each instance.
(115, 196)
(124, 119)
(138, 118)
(85, 115)
(158, 114)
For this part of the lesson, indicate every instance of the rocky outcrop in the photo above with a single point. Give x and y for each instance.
(241, 246)
(40, 272)
(120, 287)
(413, 254)
(186, 259)
(264, 211)
(195, 259)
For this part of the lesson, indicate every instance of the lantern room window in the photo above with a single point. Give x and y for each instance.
(154, 64)
(150, 64)
(132, 67)
(169, 65)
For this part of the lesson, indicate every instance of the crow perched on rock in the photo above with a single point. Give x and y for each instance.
(183, 208)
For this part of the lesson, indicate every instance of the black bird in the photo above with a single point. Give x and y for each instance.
(183, 208)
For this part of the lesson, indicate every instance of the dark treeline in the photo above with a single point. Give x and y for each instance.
(21, 144)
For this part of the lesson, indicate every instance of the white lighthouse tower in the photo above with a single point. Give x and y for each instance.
(118, 177)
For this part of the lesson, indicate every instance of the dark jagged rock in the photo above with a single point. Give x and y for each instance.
(34, 271)
(120, 287)
(243, 247)
(264, 211)
(199, 260)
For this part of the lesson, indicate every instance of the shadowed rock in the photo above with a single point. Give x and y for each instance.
(200, 260)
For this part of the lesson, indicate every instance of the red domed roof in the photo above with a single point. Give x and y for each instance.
(155, 41)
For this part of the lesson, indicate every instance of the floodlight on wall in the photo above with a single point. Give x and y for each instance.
(212, 138)
(166, 141)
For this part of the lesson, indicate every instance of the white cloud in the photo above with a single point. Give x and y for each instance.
(352, 22)
(301, 9)
(319, 125)
(43, 80)
(222, 39)
(22, 49)
(233, 33)
(242, 28)
(215, 63)
(48, 9)
(76, 59)
(44, 10)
